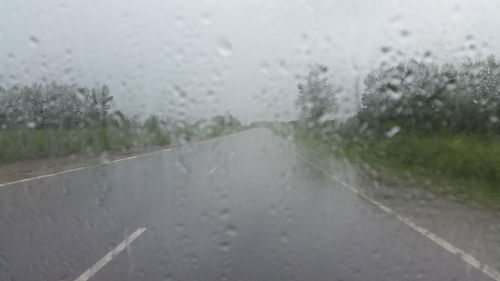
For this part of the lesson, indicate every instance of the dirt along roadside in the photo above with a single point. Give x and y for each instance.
(38, 167)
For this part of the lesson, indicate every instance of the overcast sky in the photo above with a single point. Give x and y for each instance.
(199, 58)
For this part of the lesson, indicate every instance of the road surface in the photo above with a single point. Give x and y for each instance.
(249, 206)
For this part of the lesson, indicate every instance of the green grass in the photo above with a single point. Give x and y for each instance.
(465, 167)
(26, 144)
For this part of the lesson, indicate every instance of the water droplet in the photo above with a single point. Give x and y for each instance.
(34, 41)
(63, 6)
(30, 125)
(396, 18)
(224, 246)
(393, 131)
(68, 70)
(178, 20)
(225, 48)
(205, 19)
(231, 231)
(385, 49)
(224, 214)
(104, 158)
(179, 227)
(264, 67)
(284, 238)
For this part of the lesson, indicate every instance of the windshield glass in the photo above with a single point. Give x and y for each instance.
(249, 140)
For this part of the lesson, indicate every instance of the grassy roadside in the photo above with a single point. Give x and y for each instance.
(27, 144)
(50, 120)
(42, 143)
(466, 168)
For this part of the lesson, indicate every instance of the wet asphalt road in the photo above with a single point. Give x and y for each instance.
(242, 207)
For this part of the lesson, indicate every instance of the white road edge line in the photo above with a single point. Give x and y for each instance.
(464, 256)
(109, 256)
(3, 185)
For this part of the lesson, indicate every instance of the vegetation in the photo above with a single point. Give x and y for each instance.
(425, 98)
(438, 122)
(317, 98)
(56, 119)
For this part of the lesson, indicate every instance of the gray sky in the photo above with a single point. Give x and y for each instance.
(199, 58)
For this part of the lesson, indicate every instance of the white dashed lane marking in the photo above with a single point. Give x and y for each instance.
(109, 256)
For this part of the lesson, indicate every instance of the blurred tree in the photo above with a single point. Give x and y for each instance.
(425, 98)
(54, 106)
(317, 99)
(226, 121)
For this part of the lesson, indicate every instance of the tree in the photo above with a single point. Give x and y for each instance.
(152, 123)
(227, 121)
(54, 106)
(98, 103)
(317, 99)
(426, 98)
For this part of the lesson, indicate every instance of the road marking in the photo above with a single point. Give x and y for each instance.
(109, 256)
(3, 185)
(211, 171)
(464, 256)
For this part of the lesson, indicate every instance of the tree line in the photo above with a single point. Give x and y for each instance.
(441, 121)
(55, 106)
(44, 120)
(413, 97)
(64, 106)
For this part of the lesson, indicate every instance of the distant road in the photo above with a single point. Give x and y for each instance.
(249, 206)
